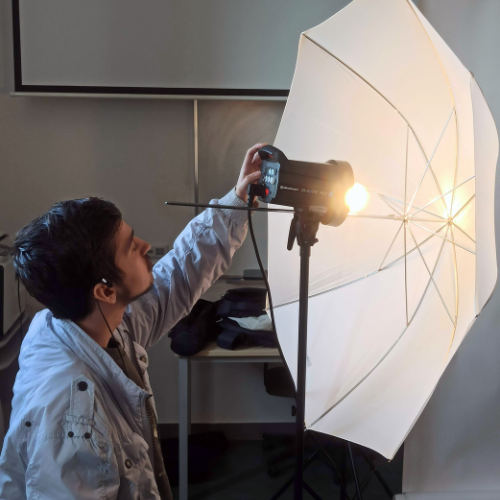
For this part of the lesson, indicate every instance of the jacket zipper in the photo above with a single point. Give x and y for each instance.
(152, 444)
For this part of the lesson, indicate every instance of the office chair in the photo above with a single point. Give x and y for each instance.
(278, 383)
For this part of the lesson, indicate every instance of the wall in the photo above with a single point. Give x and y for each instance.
(456, 442)
(138, 154)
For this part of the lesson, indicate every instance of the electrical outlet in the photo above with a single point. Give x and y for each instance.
(157, 252)
(160, 251)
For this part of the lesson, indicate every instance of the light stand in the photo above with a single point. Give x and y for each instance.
(303, 228)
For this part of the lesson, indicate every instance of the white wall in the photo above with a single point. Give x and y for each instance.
(455, 445)
(138, 154)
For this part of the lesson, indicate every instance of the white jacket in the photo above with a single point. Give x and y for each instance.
(69, 440)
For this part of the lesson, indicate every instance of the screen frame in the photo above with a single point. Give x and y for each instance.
(174, 92)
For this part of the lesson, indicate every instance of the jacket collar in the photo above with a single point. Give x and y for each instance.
(96, 358)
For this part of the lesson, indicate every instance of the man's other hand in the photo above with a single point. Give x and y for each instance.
(250, 172)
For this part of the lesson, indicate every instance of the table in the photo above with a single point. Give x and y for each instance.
(210, 354)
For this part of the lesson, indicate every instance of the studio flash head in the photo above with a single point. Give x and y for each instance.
(305, 186)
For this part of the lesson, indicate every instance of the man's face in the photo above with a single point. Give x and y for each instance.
(131, 258)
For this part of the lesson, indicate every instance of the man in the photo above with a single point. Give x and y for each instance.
(83, 422)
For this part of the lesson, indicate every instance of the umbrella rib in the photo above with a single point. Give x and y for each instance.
(368, 83)
(456, 165)
(363, 379)
(460, 229)
(332, 289)
(460, 246)
(435, 51)
(456, 295)
(385, 217)
(414, 248)
(392, 243)
(362, 277)
(429, 163)
(366, 216)
(406, 223)
(376, 365)
(468, 201)
(358, 75)
(447, 192)
(438, 57)
(406, 166)
(450, 89)
(395, 108)
(403, 203)
(406, 278)
(429, 271)
(388, 204)
(429, 281)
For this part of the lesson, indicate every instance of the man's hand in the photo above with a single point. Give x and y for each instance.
(250, 172)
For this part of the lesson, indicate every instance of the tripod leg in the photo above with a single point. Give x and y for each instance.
(282, 490)
(343, 477)
(354, 472)
(311, 491)
(340, 475)
(379, 476)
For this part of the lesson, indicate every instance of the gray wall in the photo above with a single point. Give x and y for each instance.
(455, 445)
(138, 154)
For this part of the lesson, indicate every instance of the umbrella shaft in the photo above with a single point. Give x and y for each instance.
(305, 253)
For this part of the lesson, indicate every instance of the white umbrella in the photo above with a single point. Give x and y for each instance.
(395, 289)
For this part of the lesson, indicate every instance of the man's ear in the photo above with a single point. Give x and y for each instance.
(105, 293)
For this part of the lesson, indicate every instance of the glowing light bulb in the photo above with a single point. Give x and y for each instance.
(356, 198)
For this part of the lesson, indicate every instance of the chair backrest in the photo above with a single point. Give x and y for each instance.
(278, 382)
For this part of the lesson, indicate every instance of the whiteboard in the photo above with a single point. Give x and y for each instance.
(234, 47)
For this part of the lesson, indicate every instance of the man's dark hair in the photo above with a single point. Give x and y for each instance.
(63, 254)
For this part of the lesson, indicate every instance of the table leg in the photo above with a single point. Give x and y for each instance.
(184, 424)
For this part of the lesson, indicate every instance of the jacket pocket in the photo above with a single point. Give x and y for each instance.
(134, 467)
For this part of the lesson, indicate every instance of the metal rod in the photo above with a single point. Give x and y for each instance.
(461, 230)
(470, 199)
(340, 477)
(446, 239)
(290, 481)
(384, 199)
(387, 217)
(358, 490)
(311, 492)
(283, 489)
(439, 197)
(392, 243)
(405, 204)
(305, 253)
(363, 277)
(378, 475)
(228, 207)
(343, 480)
(196, 170)
(431, 275)
(429, 164)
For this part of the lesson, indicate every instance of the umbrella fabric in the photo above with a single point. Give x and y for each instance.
(395, 289)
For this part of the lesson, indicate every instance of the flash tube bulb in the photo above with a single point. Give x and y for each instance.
(356, 198)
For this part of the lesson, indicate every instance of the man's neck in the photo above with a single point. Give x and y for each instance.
(95, 326)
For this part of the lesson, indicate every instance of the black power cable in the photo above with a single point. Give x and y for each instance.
(251, 199)
(112, 336)
(19, 304)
